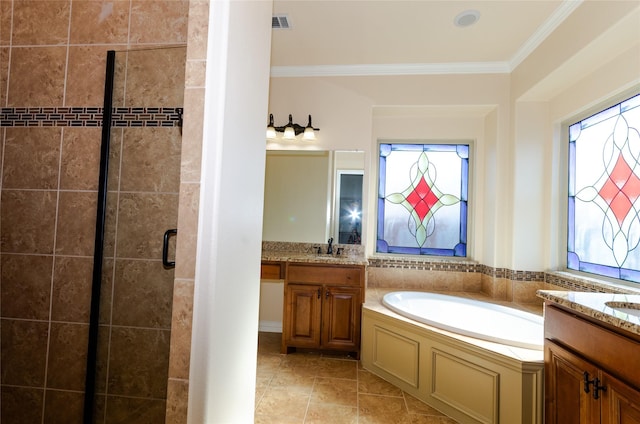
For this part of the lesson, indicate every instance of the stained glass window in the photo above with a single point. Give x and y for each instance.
(604, 193)
(422, 199)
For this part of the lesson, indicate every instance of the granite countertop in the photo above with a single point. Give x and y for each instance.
(624, 315)
(342, 259)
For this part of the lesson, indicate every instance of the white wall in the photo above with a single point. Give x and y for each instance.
(227, 282)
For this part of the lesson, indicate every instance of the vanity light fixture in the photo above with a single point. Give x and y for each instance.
(291, 130)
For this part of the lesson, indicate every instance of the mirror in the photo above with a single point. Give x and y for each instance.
(313, 195)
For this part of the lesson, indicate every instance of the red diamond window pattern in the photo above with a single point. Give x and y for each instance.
(621, 189)
(422, 199)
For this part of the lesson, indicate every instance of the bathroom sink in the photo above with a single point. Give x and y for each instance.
(631, 308)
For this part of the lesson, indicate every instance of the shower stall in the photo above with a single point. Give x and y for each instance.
(132, 290)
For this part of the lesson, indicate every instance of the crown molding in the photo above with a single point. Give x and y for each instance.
(563, 11)
(390, 69)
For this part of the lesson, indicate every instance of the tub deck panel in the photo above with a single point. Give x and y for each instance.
(465, 386)
(396, 354)
(460, 378)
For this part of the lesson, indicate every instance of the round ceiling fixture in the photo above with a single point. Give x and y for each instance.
(466, 18)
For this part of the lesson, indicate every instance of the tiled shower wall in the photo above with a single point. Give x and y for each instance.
(52, 55)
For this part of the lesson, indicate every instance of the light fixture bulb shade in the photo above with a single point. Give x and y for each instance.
(289, 133)
(309, 134)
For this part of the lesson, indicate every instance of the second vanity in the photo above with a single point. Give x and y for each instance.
(592, 357)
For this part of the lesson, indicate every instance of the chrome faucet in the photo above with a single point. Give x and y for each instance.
(330, 247)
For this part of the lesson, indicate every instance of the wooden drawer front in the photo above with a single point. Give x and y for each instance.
(271, 271)
(616, 353)
(324, 274)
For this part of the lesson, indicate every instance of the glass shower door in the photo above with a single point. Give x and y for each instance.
(136, 291)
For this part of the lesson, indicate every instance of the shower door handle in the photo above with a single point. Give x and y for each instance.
(165, 248)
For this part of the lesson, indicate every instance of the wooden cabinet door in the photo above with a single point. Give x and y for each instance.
(341, 318)
(303, 312)
(566, 401)
(620, 402)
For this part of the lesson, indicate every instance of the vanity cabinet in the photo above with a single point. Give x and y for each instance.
(272, 270)
(323, 306)
(592, 373)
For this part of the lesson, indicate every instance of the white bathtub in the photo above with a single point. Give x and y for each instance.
(470, 317)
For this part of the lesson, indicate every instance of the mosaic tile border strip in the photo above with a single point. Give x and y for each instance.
(90, 117)
(565, 281)
(423, 265)
(575, 283)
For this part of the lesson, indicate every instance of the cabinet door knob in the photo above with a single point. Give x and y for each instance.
(319, 293)
(326, 295)
(587, 382)
(597, 388)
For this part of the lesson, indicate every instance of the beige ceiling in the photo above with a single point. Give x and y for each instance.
(389, 36)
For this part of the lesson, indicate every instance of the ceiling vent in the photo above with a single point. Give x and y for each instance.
(280, 22)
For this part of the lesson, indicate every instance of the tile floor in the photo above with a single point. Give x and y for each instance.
(305, 388)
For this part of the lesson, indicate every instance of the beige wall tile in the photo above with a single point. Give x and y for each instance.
(151, 160)
(106, 290)
(386, 277)
(525, 291)
(142, 294)
(27, 219)
(139, 362)
(195, 73)
(41, 22)
(115, 152)
(62, 407)
(198, 29)
(126, 410)
(182, 316)
(4, 73)
(472, 282)
(414, 279)
(86, 69)
(109, 243)
(31, 82)
(24, 349)
(99, 22)
(26, 286)
(186, 247)
(159, 21)
(155, 77)
(177, 401)
(21, 404)
(76, 223)
(192, 135)
(5, 22)
(80, 161)
(32, 158)
(142, 221)
(67, 356)
(71, 297)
